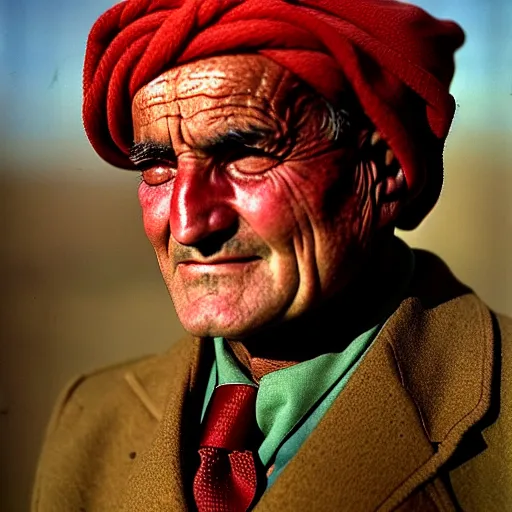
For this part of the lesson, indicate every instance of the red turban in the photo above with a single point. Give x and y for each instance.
(397, 58)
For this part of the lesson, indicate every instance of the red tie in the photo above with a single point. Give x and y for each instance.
(226, 480)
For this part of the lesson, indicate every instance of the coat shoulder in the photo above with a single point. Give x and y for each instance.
(487, 478)
(110, 415)
(108, 388)
(505, 328)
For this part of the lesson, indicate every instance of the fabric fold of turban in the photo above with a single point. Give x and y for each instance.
(398, 60)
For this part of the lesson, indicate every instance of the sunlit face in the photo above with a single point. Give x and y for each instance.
(252, 211)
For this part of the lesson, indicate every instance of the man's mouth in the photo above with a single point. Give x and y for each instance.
(218, 265)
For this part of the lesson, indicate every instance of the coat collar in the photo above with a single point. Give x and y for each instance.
(156, 482)
(423, 384)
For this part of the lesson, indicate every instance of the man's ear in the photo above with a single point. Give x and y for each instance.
(389, 187)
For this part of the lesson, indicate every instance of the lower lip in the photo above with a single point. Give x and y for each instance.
(195, 269)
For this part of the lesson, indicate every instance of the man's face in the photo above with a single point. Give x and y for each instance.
(252, 211)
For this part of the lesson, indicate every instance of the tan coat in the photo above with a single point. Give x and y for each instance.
(419, 426)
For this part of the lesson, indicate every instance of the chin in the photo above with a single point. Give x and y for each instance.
(214, 325)
(226, 323)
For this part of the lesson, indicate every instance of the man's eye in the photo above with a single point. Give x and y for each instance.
(253, 164)
(158, 174)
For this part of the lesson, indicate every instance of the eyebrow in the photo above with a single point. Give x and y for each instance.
(251, 138)
(233, 138)
(143, 151)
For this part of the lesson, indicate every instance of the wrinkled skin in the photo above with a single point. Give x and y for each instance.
(249, 238)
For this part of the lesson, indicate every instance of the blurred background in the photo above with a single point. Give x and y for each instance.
(81, 286)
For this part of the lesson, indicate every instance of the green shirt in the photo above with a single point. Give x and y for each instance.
(290, 403)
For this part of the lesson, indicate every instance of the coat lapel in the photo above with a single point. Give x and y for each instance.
(365, 446)
(424, 383)
(159, 477)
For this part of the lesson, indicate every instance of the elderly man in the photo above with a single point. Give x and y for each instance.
(330, 367)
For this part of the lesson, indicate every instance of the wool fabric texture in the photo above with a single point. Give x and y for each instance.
(397, 59)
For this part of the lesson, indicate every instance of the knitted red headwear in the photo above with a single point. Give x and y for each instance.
(397, 58)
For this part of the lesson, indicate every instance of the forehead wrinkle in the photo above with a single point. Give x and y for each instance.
(153, 131)
(213, 123)
(154, 113)
(160, 90)
(206, 78)
(282, 105)
(187, 109)
(242, 73)
(196, 82)
(185, 132)
(215, 111)
(175, 131)
(265, 89)
(151, 103)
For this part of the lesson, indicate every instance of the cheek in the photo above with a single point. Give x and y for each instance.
(326, 208)
(293, 199)
(155, 203)
(267, 208)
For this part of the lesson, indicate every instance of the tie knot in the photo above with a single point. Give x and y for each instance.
(231, 417)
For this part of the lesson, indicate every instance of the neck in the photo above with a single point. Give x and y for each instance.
(333, 325)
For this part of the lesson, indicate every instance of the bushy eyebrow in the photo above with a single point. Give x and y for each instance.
(143, 151)
(233, 138)
(251, 138)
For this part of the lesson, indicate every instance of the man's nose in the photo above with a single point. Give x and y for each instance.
(199, 204)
